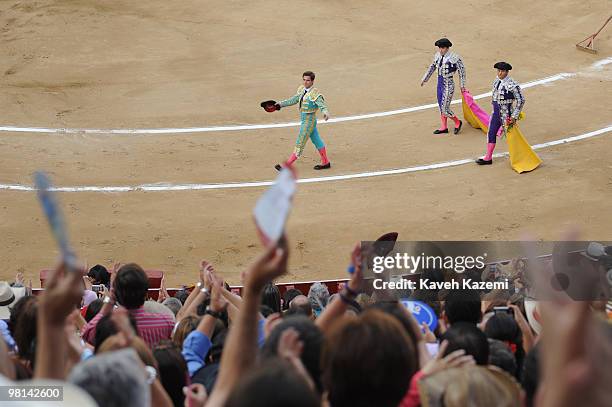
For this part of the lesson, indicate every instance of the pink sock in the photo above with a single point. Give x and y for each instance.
(490, 148)
(443, 119)
(456, 120)
(291, 159)
(323, 155)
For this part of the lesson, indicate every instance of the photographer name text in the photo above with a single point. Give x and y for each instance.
(425, 284)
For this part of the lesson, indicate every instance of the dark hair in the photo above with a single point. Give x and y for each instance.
(310, 74)
(218, 343)
(503, 327)
(201, 311)
(530, 375)
(467, 336)
(99, 274)
(25, 333)
(181, 295)
(309, 334)
(131, 286)
(271, 297)
(106, 328)
(501, 356)
(399, 312)
(265, 311)
(368, 361)
(462, 306)
(16, 310)
(289, 295)
(274, 384)
(172, 370)
(92, 309)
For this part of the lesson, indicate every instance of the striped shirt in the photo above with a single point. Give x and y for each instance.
(152, 328)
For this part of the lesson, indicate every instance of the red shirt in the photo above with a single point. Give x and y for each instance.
(152, 328)
(412, 398)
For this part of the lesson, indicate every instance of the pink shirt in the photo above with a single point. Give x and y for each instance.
(152, 328)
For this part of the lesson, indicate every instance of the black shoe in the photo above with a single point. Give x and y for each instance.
(458, 129)
(322, 166)
(438, 131)
(278, 167)
(481, 161)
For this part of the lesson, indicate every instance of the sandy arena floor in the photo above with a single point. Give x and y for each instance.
(176, 64)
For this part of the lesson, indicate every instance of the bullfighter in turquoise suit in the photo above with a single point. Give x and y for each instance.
(310, 101)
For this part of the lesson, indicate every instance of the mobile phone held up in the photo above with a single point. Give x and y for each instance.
(97, 288)
(503, 310)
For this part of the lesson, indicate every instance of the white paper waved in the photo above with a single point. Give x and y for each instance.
(273, 208)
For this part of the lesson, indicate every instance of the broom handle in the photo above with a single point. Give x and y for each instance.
(602, 27)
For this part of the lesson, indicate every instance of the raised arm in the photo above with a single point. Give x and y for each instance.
(291, 101)
(241, 344)
(197, 344)
(430, 70)
(337, 308)
(63, 292)
(206, 269)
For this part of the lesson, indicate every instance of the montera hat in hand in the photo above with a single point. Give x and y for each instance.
(270, 106)
(385, 244)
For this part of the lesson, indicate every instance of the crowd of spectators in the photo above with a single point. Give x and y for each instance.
(113, 346)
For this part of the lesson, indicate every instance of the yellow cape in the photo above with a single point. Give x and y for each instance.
(522, 156)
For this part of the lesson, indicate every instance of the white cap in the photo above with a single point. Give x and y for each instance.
(8, 297)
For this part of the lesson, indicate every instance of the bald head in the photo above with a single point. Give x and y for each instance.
(300, 305)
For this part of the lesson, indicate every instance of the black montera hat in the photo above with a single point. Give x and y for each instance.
(270, 106)
(443, 43)
(504, 66)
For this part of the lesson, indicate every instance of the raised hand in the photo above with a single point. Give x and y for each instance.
(116, 268)
(289, 345)
(122, 322)
(75, 347)
(428, 336)
(63, 292)
(290, 348)
(271, 321)
(195, 395)
(163, 293)
(87, 282)
(457, 358)
(356, 278)
(217, 301)
(206, 272)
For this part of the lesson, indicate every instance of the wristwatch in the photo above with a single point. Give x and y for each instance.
(215, 314)
(151, 374)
